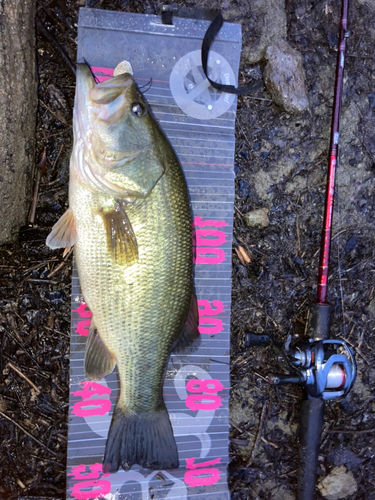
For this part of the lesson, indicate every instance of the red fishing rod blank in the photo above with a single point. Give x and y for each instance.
(325, 246)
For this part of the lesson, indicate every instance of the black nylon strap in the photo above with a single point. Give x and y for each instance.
(209, 37)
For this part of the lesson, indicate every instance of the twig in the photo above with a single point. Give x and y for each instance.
(288, 473)
(61, 265)
(298, 235)
(262, 422)
(269, 442)
(58, 156)
(267, 316)
(236, 426)
(50, 110)
(27, 433)
(56, 44)
(20, 484)
(240, 256)
(34, 268)
(31, 280)
(20, 344)
(60, 133)
(260, 376)
(351, 431)
(57, 331)
(356, 350)
(41, 170)
(360, 57)
(344, 328)
(244, 254)
(24, 377)
(238, 210)
(333, 237)
(259, 98)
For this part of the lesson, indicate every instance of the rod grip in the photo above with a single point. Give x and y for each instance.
(311, 424)
(319, 321)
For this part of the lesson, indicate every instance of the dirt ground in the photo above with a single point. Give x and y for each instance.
(280, 165)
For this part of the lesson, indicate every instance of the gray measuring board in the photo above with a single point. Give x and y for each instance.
(199, 123)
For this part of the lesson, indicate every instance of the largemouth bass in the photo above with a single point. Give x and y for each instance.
(130, 223)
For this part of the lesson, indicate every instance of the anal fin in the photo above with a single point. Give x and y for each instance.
(121, 240)
(64, 233)
(190, 331)
(99, 361)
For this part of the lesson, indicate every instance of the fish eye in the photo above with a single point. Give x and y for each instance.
(137, 109)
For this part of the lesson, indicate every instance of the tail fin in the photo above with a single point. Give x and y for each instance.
(145, 439)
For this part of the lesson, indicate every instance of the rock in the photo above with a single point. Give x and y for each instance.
(371, 99)
(343, 456)
(371, 307)
(244, 189)
(257, 218)
(271, 17)
(370, 3)
(338, 484)
(285, 78)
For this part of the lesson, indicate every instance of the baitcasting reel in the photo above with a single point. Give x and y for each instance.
(325, 368)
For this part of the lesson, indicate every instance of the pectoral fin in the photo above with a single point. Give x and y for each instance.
(121, 240)
(99, 361)
(64, 233)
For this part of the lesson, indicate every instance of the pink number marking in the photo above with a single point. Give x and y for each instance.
(194, 477)
(81, 310)
(191, 465)
(81, 327)
(90, 388)
(193, 480)
(79, 472)
(105, 71)
(207, 309)
(197, 385)
(200, 235)
(98, 489)
(212, 259)
(198, 221)
(194, 402)
(210, 330)
(102, 406)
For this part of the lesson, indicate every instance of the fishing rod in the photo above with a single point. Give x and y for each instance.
(325, 367)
